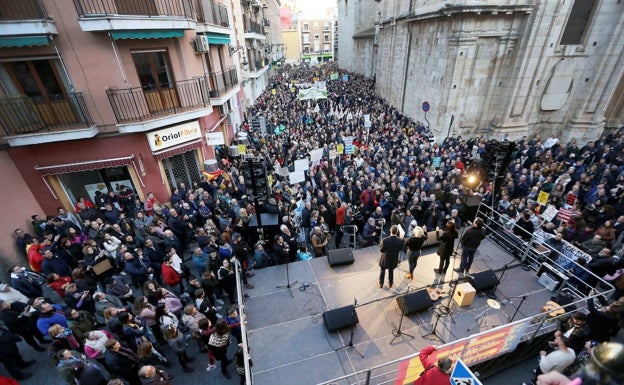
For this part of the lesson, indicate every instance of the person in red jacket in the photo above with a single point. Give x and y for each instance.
(169, 275)
(435, 373)
(35, 255)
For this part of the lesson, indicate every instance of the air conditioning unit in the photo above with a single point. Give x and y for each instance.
(201, 44)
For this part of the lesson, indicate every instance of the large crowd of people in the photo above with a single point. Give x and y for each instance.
(132, 279)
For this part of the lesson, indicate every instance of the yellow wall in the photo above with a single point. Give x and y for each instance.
(290, 38)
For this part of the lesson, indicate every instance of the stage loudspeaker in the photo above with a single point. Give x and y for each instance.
(340, 318)
(414, 301)
(340, 257)
(484, 281)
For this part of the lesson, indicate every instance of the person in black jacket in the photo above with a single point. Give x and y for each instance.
(445, 250)
(22, 323)
(603, 323)
(390, 248)
(414, 245)
(122, 362)
(470, 242)
(11, 357)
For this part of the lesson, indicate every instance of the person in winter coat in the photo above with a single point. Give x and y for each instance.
(445, 250)
(177, 342)
(390, 248)
(435, 372)
(75, 369)
(122, 362)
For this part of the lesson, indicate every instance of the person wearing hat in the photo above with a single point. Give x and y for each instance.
(437, 372)
(470, 241)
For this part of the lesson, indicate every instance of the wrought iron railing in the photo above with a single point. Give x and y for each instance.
(253, 27)
(20, 114)
(223, 81)
(22, 10)
(144, 103)
(212, 12)
(96, 8)
(258, 65)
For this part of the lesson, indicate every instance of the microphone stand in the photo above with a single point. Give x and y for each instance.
(524, 297)
(288, 284)
(397, 331)
(434, 329)
(492, 294)
(350, 344)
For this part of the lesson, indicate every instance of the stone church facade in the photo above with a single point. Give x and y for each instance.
(493, 68)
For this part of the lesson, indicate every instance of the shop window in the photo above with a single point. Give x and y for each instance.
(86, 183)
(182, 168)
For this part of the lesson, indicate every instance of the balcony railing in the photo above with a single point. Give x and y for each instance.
(144, 103)
(257, 65)
(12, 10)
(253, 27)
(223, 81)
(212, 12)
(99, 8)
(20, 114)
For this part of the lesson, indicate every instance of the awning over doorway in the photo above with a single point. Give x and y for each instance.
(23, 41)
(84, 166)
(218, 38)
(181, 149)
(147, 34)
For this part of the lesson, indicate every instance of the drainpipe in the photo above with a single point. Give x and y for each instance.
(407, 60)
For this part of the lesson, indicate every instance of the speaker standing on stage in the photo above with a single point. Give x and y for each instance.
(390, 248)
(445, 250)
(434, 373)
(414, 244)
(470, 242)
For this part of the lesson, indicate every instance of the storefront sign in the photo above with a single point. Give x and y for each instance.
(169, 137)
(214, 138)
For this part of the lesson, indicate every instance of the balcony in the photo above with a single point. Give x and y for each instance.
(254, 30)
(223, 81)
(25, 17)
(213, 14)
(111, 15)
(139, 109)
(257, 68)
(223, 86)
(26, 121)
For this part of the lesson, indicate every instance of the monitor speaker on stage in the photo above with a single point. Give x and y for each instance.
(414, 301)
(340, 318)
(484, 281)
(340, 257)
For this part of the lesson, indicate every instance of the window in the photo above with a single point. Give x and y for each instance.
(326, 48)
(153, 70)
(317, 47)
(326, 37)
(38, 79)
(326, 26)
(316, 37)
(306, 49)
(577, 22)
(306, 38)
(306, 27)
(316, 25)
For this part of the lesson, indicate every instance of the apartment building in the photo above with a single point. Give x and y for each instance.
(95, 95)
(317, 39)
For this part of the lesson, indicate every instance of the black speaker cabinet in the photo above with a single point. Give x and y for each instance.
(414, 301)
(340, 318)
(484, 281)
(340, 257)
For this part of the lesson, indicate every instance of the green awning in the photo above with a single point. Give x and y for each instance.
(218, 38)
(147, 34)
(23, 41)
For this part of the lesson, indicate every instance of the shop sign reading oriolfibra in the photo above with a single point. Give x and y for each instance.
(171, 136)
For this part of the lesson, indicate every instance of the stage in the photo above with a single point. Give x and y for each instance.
(290, 344)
